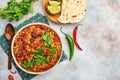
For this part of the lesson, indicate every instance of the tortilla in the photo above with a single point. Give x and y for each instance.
(72, 11)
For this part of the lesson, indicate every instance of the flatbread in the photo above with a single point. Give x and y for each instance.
(72, 11)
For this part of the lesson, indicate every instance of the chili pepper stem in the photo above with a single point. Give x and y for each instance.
(78, 25)
(62, 31)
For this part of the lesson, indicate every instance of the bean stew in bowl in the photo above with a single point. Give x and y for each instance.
(36, 48)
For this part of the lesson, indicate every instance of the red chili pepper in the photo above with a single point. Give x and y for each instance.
(10, 77)
(75, 37)
(13, 72)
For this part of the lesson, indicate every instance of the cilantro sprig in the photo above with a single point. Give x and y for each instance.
(16, 10)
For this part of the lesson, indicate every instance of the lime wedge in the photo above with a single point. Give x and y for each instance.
(54, 3)
(54, 9)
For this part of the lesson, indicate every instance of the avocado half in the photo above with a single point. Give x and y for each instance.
(53, 7)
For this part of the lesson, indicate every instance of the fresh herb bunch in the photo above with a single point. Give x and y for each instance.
(16, 10)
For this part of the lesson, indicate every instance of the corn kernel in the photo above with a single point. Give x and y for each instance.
(28, 42)
(27, 46)
(33, 50)
(23, 32)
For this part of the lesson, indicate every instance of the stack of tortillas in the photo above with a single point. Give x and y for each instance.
(72, 11)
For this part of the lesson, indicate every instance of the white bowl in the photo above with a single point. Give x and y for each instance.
(15, 58)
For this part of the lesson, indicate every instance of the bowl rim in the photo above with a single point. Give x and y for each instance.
(37, 23)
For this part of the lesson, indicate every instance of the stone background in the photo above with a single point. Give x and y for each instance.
(99, 38)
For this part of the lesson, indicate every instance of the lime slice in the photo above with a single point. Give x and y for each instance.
(54, 9)
(54, 3)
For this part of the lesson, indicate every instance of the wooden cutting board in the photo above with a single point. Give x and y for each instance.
(51, 17)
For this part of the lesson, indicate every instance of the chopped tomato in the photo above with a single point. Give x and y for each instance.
(20, 52)
(25, 35)
(35, 45)
(28, 53)
(26, 57)
(46, 51)
(51, 63)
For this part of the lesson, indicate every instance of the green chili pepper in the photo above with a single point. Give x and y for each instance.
(71, 44)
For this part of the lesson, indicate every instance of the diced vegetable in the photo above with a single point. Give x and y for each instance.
(46, 52)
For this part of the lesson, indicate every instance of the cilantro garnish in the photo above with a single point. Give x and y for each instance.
(16, 10)
(46, 37)
(39, 57)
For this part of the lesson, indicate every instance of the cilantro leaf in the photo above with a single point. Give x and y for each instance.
(46, 37)
(27, 64)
